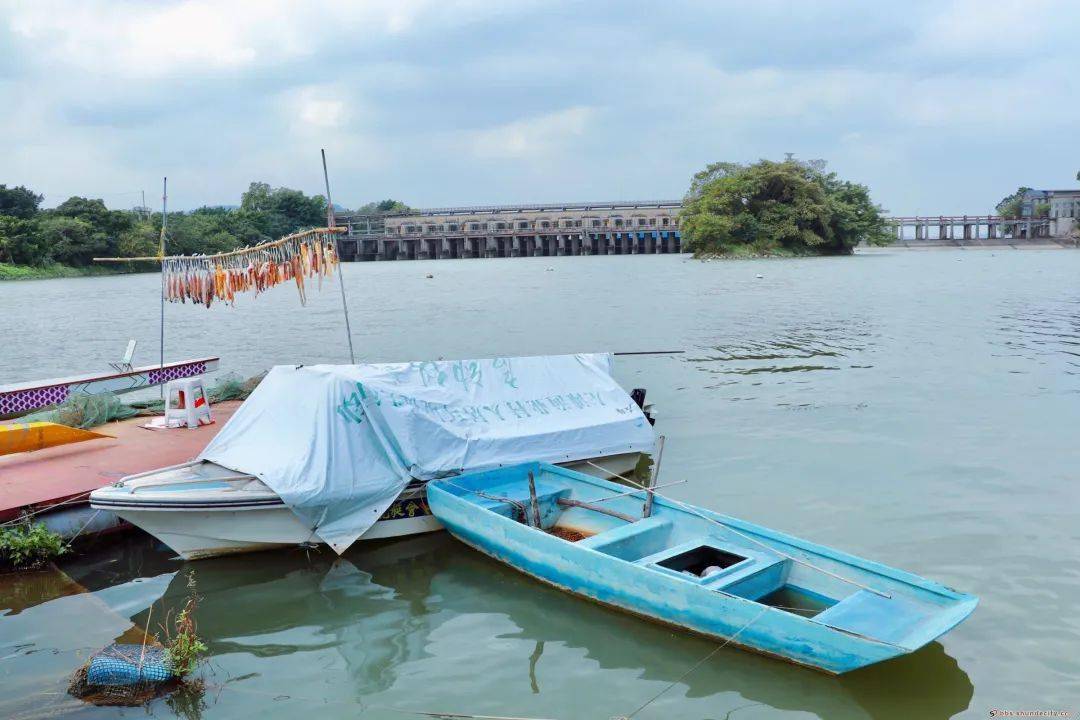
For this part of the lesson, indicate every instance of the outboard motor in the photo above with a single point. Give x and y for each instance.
(638, 396)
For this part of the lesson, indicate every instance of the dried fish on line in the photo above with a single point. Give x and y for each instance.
(202, 279)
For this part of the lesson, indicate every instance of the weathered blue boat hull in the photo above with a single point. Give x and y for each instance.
(621, 565)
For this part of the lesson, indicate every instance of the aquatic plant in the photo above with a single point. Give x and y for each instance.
(29, 545)
(183, 643)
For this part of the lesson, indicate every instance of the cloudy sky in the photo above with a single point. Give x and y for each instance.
(940, 107)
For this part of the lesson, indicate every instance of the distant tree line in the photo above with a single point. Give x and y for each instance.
(778, 208)
(80, 229)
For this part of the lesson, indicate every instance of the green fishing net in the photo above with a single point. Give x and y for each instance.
(89, 411)
(85, 411)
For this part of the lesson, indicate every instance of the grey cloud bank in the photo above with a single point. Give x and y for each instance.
(939, 107)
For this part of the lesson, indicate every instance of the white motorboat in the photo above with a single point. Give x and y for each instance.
(201, 509)
(335, 454)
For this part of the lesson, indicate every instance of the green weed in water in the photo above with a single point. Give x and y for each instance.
(184, 645)
(29, 545)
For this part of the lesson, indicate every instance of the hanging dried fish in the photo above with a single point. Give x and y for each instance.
(202, 279)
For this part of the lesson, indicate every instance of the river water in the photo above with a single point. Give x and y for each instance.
(917, 408)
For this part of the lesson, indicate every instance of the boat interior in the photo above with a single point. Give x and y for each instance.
(687, 544)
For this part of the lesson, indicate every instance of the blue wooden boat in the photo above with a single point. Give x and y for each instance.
(731, 580)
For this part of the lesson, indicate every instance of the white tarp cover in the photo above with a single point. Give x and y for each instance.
(339, 443)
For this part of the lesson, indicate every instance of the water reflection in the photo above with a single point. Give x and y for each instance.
(928, 684)
(370, 607)
(379, 606)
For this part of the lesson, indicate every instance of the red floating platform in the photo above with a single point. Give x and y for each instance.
(35, 480)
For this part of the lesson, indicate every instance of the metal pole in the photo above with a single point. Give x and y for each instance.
(341, 280)
(161, 254)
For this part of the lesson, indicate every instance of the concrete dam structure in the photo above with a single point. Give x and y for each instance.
(649, 227)
(592, 228)
(969, 229)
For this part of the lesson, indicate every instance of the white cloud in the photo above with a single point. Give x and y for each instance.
(149, 40)
(322, 112)
(535, 137)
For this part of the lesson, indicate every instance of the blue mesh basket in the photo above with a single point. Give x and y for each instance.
(129, 665)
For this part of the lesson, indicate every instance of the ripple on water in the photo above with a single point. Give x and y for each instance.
(1041, 330)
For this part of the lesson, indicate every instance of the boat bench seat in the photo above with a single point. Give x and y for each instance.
(890, 620)
(627, 541)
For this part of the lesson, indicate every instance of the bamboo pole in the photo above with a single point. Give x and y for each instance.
(331, 223)
(652, 352)
(565, 502)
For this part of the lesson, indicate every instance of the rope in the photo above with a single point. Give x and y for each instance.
(26, 516)
(519, 505)
(698, 664)
(454, 715)
(85, 525)
(637, 490)
(695, 511)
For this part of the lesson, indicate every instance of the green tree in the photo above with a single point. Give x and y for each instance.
(72, 241)
(257, 198)
(383, 207)
(283, 210)
(140, 240)
(1013, 205)
(94, 212)
(80, 228)
(19, 243)
(789, 207)
(19, 202)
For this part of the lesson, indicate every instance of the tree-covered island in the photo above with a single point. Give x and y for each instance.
(789, 208)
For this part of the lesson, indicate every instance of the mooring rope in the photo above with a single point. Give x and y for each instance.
(519, 505)
(85, 525)
(26, 516)
(455, 715)
(696, 665)
(693, 510)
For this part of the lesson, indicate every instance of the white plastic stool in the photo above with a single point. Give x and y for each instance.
(186, 402)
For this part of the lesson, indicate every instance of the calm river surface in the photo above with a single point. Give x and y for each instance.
(918, 408)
